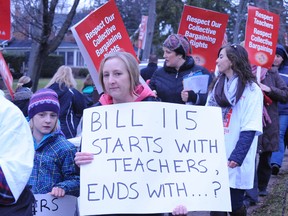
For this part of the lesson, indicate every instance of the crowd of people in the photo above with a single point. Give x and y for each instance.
(254, 113)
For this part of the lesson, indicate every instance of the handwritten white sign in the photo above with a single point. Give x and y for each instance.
(47, 205)
(151, 156)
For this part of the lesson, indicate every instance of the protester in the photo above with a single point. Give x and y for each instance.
(281, 63)
(241, 100)
(54, 170)
(167, 82)
(23, 94)
(152, 66)
(89, 91)
(119, 78)
(16, 161)
(274, 90)
(72, 102)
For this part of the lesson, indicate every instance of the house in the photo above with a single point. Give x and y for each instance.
(68, 47)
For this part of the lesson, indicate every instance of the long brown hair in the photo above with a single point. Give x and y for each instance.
(241, 66)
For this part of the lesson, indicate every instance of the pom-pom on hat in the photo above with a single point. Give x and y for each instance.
(43, 100)
(178, 43)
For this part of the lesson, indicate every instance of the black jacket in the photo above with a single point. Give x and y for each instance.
(168, 82)
(147, 72)
(72, 104)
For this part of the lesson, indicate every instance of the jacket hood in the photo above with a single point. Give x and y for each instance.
(189, 63)
(60, 90)
(142, 91)
(23, 93)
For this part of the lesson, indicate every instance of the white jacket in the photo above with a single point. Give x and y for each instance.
(16, 147)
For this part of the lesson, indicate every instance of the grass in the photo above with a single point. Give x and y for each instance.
(276, 202)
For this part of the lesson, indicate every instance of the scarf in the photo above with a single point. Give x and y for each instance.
(226, 93)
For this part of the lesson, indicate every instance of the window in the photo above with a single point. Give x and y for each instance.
(70, 58)
(80, 60)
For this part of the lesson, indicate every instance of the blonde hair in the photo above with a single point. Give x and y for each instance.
(131, 65)
(23, 80)
(63, 76)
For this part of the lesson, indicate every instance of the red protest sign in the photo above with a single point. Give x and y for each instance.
(261, 36)
(6, 75)
(100, 33)
(5, 24)
(205, 31)
(142, 32)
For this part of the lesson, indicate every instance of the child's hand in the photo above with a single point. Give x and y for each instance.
(180, 210)
(57, 192)
(184, 95)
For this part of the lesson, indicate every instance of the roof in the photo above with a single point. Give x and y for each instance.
(26, 44)
(60, 18)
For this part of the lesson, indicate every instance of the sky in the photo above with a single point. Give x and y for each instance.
(82, 3)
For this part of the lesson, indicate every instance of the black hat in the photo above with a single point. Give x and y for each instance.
(280, 50)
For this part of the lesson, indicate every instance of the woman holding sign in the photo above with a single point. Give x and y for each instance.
(119, 78)
(241, 100)
(167, 82)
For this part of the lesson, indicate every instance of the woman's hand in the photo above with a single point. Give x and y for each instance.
(57, 192)
(184, 95)
(82, 158)
(232, 164)
(180, 210)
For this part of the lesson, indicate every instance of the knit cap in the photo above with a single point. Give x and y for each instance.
(43, 100)
(178, 43)
(280, 50)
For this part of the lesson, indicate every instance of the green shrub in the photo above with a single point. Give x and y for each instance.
(15, 61)
(79, 72)
(51, 64)
(83, 72)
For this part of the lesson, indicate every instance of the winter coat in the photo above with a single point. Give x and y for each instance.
(54, 166)
(90, 94)
(283, 107)
(269, 140)
(168, 82)
(72, 104)
(17, 152)
(21, 99)
(147, 72)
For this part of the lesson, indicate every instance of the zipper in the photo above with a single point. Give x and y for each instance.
(177, 74)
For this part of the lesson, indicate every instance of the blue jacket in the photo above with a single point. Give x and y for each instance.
(147, 72)
(72, 104)
(168, 82)
(54, 166)
(283, 107)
